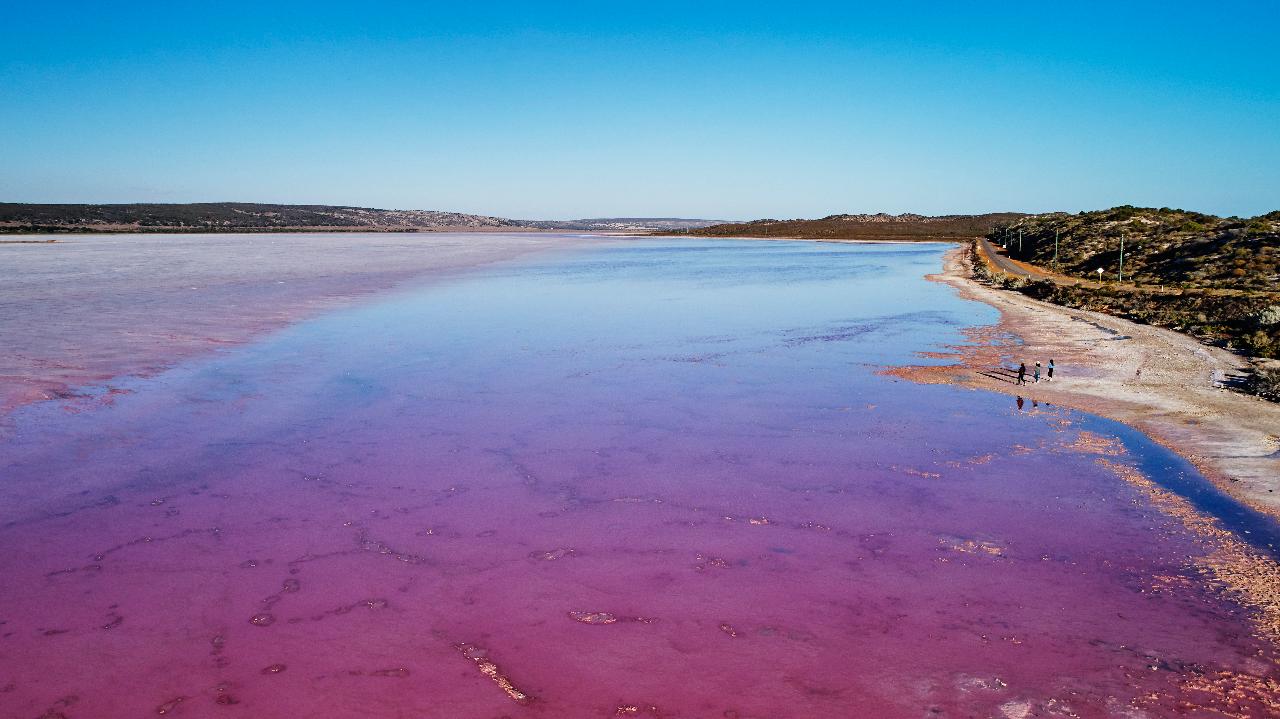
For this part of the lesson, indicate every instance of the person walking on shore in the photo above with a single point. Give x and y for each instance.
(1049, 377)
(1022, 373)
(1037, 372)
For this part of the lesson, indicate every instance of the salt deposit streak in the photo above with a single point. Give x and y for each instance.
(654, 478)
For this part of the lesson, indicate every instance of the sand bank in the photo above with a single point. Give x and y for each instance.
(1164, 383)
(90, 308)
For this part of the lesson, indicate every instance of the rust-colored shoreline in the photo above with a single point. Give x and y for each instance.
(1155, 380)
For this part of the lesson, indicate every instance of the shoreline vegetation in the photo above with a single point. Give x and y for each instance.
(870, 227)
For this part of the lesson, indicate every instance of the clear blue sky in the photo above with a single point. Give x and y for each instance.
(697, 109)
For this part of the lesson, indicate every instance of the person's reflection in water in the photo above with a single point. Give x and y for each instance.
(1019, 403)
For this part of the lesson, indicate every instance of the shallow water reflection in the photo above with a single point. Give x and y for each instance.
(656, 478)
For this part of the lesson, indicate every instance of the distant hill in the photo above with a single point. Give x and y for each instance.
(258, 217)
(1161, 246)
(623, 224)
(228, 216)
(879, 226)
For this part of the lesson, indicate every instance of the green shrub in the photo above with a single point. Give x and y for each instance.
(1266, 383)
(1260, 344)
(1257, 227)
(1268, 317)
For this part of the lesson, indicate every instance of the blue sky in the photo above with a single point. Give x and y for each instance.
(707, 109)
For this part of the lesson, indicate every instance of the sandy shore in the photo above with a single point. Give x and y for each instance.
(91, 308)
(1161, 382)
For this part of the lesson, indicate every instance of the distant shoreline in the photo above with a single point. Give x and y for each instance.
(95, 314)
(44, 231)
(900, 240)
(233, 217)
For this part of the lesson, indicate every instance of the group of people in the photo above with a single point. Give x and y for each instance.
(1022, 372)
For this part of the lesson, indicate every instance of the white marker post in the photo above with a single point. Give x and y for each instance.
(1099, 275)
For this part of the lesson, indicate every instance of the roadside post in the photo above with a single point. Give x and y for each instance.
(1122, 258)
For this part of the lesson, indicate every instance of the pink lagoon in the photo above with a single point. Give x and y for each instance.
(629, 478)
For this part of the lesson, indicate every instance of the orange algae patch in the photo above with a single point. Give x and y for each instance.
(479, 657)
(984, 347)
(972, 461)
(1231, 566)
(705, 561)
(607, 618)
(628, 710)
(1091, 443)
(1233, 694)
(593, 617)
(553, 554)
(973, 546)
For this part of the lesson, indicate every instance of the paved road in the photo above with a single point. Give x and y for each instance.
(1002, 262)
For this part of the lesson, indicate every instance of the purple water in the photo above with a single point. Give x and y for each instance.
(655, 478)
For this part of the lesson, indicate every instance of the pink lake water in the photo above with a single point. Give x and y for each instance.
(655, 478)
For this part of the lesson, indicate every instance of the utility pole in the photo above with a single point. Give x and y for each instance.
(1055, 248)
(1122, 258)
(1019, 241)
